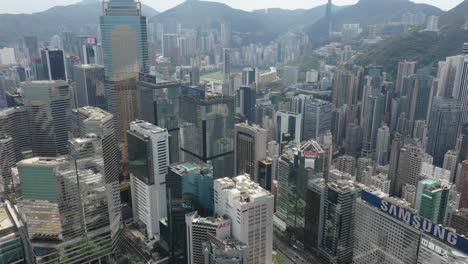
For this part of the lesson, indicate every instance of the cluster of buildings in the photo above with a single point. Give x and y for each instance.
(107, 160)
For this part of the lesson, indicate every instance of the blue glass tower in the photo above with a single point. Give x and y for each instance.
(125, 48)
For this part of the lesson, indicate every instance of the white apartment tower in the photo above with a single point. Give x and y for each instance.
(251, 209)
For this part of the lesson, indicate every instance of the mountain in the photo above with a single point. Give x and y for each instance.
(425, 47)
(261, 24)
(370, 12)
(80, 18)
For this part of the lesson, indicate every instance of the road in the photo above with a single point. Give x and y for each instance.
(292, 254)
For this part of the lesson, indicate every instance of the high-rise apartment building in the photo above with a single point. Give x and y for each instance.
(251, 209)
(226, 33)
(250, 148)
(343, 89)
(338, 221)
(383, 145)
(207, 133)
(89, 87)
(125, 49)
(290, 75)
(411, 158)
(405, 69)
(53, 63)
(443, 128)
(317, 119)
(462, 184)
(148, 156)
(48, 104)
(346, 164)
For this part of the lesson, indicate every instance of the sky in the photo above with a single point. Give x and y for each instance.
(31, 6)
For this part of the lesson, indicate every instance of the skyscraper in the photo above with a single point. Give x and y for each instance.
(462, 184)
(53, 64)
(463, 152)
(411, 158)
(192, 182)
(288, 127)
(383, 145)
(317, 119)
(250, 148)
(405, 69)
(290, 75)
(148, 156)
(199, 229)
(125, 48)
(251, 208)
(99, 124)
(460, 91)
(249, 77)
(7, 161)
(89, 86)
(329, 18)
(337, 226)
(246, 99)
(372, 122)
(66, 211)
(432, 200)
(420, 97)
(158, 104)
(32, 46)
(443, 128)
(207, 133)
(14, 123)
(225, 34)
(381, 239)
(48, 104)
(298, 164)
(343, 88)
(228, 90)
(313, 212)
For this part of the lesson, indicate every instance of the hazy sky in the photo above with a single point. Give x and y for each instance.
(30, 6)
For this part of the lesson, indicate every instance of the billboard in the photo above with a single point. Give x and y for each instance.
(407, 216)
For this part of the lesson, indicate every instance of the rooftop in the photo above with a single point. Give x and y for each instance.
(42, 161)
(243, 188)
(94, 113)
(147, 127)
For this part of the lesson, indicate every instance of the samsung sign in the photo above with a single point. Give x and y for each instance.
(417, 221)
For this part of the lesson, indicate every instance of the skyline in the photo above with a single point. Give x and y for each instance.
(32, 6)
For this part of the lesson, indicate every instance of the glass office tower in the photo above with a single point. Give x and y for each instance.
(207, 133)
(125, 48)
